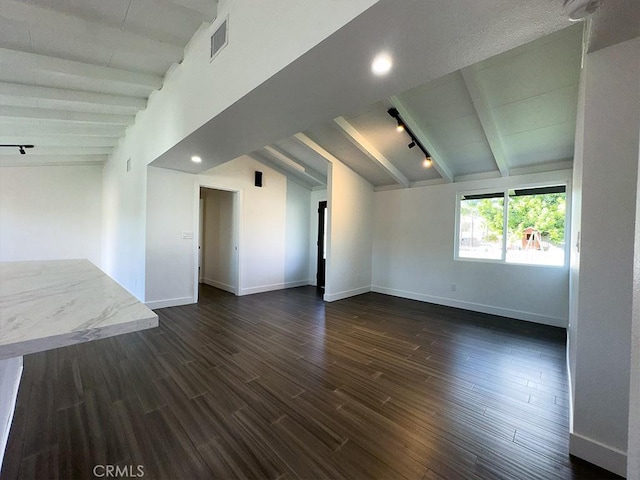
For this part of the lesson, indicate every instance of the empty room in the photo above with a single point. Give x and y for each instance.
(319, 239)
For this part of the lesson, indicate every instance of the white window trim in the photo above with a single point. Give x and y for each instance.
(505, 191)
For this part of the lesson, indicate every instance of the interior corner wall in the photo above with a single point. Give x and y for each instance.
(316, 197)
(296, 261)
(349, 236)
(51, 212)
(192, 93)
(576, 226)
(604, 309)
(413, 256)
(169, 260)
(263, 259)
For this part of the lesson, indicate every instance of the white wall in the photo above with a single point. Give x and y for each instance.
(297, 227)
(350, 231)
(609, 162)
(413, 257)
(50, 213)
(219, 255)
(170, 262)
(10, 374)
(316, 197)
(270, 253)
(196, 91)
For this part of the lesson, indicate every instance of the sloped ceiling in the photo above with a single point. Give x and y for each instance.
(512, 113)
(73, 73)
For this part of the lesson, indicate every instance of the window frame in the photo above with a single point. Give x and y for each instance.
(505, 222)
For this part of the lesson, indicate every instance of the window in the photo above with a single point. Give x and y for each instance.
(533, 219)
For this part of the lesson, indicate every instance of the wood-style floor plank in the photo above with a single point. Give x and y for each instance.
(282, 386)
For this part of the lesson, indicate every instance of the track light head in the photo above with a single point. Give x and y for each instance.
(412, 144)
(22, 150)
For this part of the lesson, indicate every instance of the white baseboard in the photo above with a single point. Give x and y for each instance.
(13, 397)
(332, 297)
(170, 302)
(220, 285)
(601, 455)
(273, 286)
(476, 307)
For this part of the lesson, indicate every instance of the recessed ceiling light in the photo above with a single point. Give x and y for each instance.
(196, 159)
(382, 64)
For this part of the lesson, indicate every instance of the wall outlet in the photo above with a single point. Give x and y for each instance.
(454, 287)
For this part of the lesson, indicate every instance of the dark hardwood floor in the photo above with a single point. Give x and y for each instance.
(281, 385)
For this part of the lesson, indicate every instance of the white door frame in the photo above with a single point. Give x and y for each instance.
(237, 220)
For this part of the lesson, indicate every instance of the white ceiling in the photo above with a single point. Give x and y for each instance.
(511, 113)
(73, 73)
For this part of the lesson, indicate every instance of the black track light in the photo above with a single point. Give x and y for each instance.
(393, 112)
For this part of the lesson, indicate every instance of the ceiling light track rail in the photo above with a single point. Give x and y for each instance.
(402, 126)
(21, 148)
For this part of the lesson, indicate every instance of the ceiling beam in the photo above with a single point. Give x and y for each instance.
(488, 123)
(67, 116)
(17, 160)
(19, 129)
(370, 151)
(79, 30)
(438, 161)
(23, 61)
(300, 169)
(302, 138)
(58, 140)
(60, 151)
(14, 94)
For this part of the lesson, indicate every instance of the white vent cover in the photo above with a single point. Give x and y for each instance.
(220, 38)
(578, 10)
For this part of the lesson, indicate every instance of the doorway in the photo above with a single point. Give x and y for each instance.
(218, 256)
(322, 245)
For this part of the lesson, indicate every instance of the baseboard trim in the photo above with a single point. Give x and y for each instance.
(475, 307)
(220, 285)
(170, 302)
(601, 455)
(273, 286)
(332, 297)
(4, 439)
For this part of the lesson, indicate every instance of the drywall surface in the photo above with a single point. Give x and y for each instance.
(576, 226)
(194, 92)
(296, 261)
(198, 89)
(413, 256)
(604, 311)
(170, 262)
(50, 213)
(350, 231)
(219, 254)
(267, 248)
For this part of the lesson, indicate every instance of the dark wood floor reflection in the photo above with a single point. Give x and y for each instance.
(280, 385)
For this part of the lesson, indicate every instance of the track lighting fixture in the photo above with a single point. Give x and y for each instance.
(21, 148)
(400, 127)
(428, 161)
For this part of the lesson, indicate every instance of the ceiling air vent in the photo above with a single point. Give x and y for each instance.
(220, 38)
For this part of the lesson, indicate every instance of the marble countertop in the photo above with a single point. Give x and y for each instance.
(51, 304)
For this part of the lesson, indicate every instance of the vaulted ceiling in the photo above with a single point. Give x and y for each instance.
(74, 73)
(510, 114)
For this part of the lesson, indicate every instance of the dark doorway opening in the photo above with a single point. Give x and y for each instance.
(322, 244)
